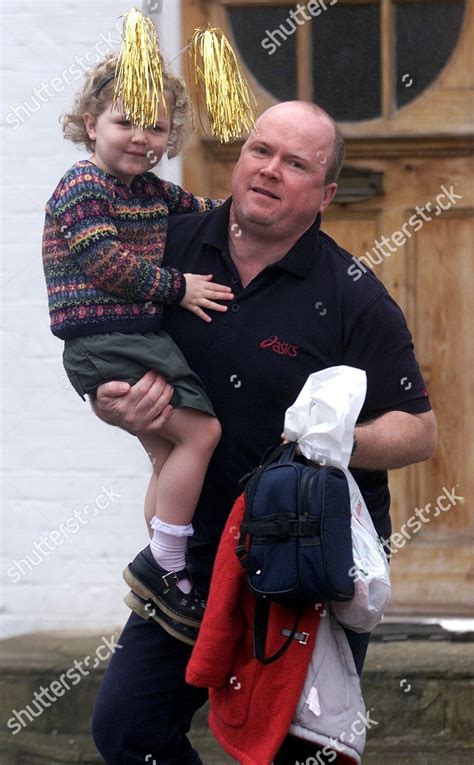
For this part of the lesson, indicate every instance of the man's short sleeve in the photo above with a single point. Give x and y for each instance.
(381, 344)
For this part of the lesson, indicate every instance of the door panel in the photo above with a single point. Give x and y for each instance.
(432, 279)
(423, 150)
(355, 231)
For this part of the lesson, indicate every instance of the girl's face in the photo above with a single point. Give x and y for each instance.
(123, 150)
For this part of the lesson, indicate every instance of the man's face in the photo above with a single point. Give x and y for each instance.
(278, 182)
(123, 150)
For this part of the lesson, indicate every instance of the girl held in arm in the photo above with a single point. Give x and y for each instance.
(103, 246)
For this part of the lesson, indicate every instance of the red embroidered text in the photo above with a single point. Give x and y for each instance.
(284, 349)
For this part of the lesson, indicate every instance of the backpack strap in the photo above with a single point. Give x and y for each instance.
(273, 454)
(260, 629)
(266, 531)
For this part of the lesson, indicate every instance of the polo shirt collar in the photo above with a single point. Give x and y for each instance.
(299, 260)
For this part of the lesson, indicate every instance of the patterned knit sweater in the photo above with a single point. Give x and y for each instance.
(103, 245)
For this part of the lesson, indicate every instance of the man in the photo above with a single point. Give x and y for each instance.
(296, 310)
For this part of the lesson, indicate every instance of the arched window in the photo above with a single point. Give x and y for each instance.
(383, 53)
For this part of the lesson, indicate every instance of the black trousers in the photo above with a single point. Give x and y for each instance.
(144, 708)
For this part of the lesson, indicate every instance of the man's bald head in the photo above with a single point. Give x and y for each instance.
(279, 182)
(335, 157)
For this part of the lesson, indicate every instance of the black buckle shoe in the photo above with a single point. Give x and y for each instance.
(147, 610)
(152, 582)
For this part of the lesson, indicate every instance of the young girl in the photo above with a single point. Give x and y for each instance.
(103, 245)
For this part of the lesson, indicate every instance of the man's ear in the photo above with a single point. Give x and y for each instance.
(89, 122)
(329, 193)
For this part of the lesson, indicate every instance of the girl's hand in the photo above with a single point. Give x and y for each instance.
(201, 292)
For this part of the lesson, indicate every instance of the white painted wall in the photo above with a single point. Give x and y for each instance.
(57, 457)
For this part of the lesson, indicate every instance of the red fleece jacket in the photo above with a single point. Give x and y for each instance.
(251, 704)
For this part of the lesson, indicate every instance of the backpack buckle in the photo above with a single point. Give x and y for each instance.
(301, 637)
(241, 552)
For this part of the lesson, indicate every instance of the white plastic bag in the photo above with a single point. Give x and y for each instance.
(322, 420)
(371, 572)
(323, 417)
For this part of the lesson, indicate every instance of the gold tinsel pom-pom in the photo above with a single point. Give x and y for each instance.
(226, 92)
(139, 72)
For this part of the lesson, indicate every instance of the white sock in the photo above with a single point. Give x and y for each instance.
(168, 547)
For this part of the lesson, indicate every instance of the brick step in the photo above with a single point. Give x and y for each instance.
(43, 660)
(47, 749)
(420, 693)
(393, 750)
(26, 748)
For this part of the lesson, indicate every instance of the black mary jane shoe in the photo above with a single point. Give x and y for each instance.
(148, 610)
(152, 582)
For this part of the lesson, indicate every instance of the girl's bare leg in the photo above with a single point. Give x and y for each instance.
(150, 502)
(161, 453)
(193, 437)
(177, 482)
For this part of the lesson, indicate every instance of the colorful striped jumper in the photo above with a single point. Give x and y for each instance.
(103, 246)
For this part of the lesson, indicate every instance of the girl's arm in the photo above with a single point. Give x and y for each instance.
(85, 216)
(181, 201)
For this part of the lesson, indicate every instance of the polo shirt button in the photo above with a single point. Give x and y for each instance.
(235, 307)
(235, 280)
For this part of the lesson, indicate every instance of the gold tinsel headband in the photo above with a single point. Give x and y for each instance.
(217, 76)
(225, 90)
(139, 72)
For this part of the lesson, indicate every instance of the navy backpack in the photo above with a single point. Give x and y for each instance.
(295, 539)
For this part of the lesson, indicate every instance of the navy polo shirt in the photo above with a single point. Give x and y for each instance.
(300, 315)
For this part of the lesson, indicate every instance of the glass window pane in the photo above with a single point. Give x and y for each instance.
(346, 61)
(273, 64)
(427, 33)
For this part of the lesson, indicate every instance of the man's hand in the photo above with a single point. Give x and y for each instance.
(140, 408)
(201, 292)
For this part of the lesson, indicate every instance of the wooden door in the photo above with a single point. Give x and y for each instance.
(420, 147)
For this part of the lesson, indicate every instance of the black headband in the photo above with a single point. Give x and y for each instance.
(103, 83)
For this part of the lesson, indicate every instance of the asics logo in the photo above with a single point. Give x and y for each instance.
(277, 346)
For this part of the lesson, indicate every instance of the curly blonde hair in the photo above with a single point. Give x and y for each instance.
(87, 101)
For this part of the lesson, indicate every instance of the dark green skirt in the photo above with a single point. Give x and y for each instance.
(96, 359)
